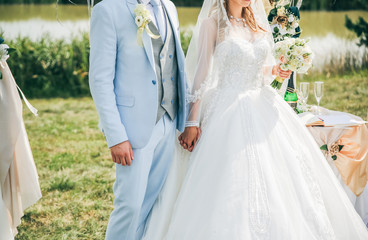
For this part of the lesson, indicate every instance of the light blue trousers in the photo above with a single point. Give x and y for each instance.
(137, 186)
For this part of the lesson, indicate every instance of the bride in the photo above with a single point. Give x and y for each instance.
(255, 172)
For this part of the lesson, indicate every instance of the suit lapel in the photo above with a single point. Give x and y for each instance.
(147, 43)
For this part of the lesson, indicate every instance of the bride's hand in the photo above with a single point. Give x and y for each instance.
(189, 138)
(281, 73)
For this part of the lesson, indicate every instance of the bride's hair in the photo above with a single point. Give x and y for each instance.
(247, 14)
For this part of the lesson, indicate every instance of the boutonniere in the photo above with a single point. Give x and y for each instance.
(142, 19)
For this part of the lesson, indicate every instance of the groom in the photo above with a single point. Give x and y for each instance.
(139, 93)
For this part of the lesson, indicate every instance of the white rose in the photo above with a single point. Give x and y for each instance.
(281, 11)
(283, 31)
(140, 9)
(298, 51)
(300, 59)
(291, 18)
(293, 65)
(139, 21)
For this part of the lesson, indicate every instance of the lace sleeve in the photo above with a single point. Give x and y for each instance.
(201, 80)
(270, 62)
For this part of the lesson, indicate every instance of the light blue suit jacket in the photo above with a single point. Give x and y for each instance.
(122, 74)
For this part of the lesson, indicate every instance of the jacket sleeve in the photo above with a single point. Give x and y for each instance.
(103, 41)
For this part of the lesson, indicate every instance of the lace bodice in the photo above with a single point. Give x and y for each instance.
(236, 58)
(240, 63)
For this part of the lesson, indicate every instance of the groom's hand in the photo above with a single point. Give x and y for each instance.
(122, 153)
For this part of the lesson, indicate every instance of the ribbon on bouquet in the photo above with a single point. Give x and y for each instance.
(148, 31)
(5, 66)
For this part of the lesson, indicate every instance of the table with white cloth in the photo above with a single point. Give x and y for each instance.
(344, 140)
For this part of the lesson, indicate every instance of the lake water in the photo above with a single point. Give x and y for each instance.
(65, 21)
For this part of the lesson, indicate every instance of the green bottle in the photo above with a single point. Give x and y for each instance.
(290, 95)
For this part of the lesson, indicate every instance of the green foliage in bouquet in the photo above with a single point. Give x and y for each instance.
(360, 28)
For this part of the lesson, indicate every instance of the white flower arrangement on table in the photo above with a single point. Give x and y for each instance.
(284, 20)
(142, 19)
(294, 54)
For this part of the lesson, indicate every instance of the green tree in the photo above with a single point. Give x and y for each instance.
(360, 28)
(334, 5)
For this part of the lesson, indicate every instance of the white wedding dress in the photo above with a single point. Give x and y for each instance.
(256, 172)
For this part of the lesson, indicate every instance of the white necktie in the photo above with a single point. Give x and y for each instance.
(160, 17)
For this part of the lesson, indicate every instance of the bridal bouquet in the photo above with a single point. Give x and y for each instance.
(294, 54)
(284, 20)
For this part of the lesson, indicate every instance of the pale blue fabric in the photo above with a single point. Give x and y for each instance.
(122, 74)
(123, 85)
(160, 17)
(137, 187)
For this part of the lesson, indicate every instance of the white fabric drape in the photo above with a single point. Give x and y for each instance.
(18, 175)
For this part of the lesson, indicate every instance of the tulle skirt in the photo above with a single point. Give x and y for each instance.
(256, 173)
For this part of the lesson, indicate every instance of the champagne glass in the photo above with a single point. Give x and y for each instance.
(304, 93)
(318, 93)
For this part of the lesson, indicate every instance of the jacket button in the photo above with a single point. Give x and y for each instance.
(154, 82)
(172, 78)
(163, 80)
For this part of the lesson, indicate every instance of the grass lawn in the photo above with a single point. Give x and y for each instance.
(75, 170)
(347, 93)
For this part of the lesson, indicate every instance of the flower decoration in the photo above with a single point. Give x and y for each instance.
(5, 50)
(142, 19)
(284, 20)
(294, 54)
(333, 150)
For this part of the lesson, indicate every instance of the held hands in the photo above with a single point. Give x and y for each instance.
(188, 139)
(122, 153)
(276, 70)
